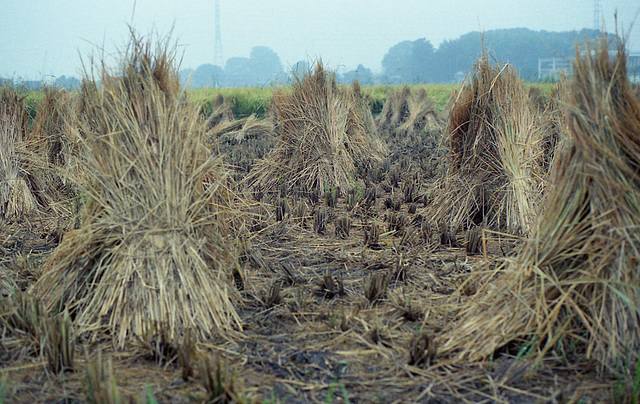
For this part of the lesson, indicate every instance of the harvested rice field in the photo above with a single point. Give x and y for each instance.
(324, 249)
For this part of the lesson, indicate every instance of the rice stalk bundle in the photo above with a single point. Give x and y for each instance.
(221, 112)
(55, 136)
(408, 112)
(554, 126)
(577, 278)
(238, 131)
(19, 185)
(152, 248)
(49, 124)
(324, 133)
(494, 141)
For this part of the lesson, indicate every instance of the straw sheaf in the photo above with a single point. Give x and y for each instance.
(238, 131)
(408, 112)
(324, 132)
(577, 278)
(22, 180)
(56, 141)
(152, 248)
(555, 129)
(221, 113)
(495, 143)
(50, 122)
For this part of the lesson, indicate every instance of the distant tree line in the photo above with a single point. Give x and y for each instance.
(262, 68)
(419, 62)
(68, 83)
(411, 62)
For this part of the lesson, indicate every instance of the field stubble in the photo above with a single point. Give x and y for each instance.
(344, 293)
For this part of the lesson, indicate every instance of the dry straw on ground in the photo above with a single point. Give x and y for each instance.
(151, 249)
(325, 132)
(495, 143)
(576, 281)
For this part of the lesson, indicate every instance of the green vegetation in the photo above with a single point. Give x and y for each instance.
(255, 100)
(245, 101)
(438, 93)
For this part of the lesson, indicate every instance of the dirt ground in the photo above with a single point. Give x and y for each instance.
(326, 318)
(341, 301)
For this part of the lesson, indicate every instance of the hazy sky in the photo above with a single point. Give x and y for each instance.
(45, 38)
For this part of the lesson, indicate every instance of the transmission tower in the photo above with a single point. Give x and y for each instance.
(596, 15)
(217, 49)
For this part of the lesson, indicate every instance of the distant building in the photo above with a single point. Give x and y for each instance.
(550, 68)
(633, 67)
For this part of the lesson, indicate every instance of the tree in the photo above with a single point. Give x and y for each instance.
(185, 77)
(410, 62)
(395, 64)
(300, 68)
(238, 72)
(265, 65)
(207, 75)
(421, 62)
(362, 74)
(68, 83)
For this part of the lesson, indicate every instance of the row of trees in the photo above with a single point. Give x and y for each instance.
(420, 62)
(263, 67)
(414, 62)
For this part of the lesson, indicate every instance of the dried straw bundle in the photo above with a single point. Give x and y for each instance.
(55, 133)
(580, 271)
(49, 124)
(238, 131)
(221, 112)
(151, 249)
(554, 126)
(19, 165)
(324, 133)
(408, 112)
(242, 142)
(495, 148)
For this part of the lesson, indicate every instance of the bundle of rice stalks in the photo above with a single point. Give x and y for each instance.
(151, 249)
(20, 185)
(577, 279)
(221, 112)
(551, 109)
(49, 124)
(495, 148)
(242, 142)
(235, 132)
(55, 133)
(406, 112)
(324, 133)
(413, 128)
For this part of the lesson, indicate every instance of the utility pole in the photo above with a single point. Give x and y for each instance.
(596, 15)
(217, 49)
